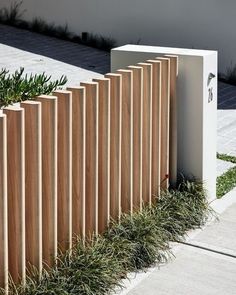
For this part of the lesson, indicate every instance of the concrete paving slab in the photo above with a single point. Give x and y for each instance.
(193, 272)
(37, 64)
(219, 235)
(223, 166)
(226, 129)
(220, 205)
(171, 277)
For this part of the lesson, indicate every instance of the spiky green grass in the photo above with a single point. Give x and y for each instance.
(135, 243)
(227, 181)
(18, 87)
(147, 241)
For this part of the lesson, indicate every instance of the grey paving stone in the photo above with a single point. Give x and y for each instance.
(193, 272)
(38, 53)
(220, 234)
(223, 166)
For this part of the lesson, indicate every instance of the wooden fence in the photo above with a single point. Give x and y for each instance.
(71, 161)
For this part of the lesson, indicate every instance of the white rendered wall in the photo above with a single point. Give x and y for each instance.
(196, 115)
(207, 24)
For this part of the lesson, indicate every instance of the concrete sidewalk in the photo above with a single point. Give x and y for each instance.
(205, 265)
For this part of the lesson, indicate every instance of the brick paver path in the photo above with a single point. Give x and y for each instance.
(38, 53)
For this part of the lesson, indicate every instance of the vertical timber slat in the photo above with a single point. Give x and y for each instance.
(156, 126)
(16, 192)
(137, 135)
(3, 205)
(78, 164)
(64, 206)
(115, 144)
(165, 119)
(173, 119)
(49, 178)
(33, 184)
(103, 153)
(147, 134)
(91, 179)
(127, 141)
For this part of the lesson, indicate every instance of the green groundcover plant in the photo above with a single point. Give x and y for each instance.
(98, 265)
(18, 87)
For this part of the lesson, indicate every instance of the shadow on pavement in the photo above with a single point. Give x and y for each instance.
(68, 52)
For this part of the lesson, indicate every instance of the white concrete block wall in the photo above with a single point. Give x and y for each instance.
(196, 115)
(177, 23)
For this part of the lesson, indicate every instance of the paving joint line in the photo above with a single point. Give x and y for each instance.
(208, 249)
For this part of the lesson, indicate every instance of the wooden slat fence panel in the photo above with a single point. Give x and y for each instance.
(49, 178)
(127, 142)
(64, 206)
(33, 184)
(91, 176)
(147, 134)
(156, 127)
(72, 161)
(137, 135)
(165, 118)
(16, 192)
(115, 144)
(173, 119)
(103, 153)
(3, 204)
(78, 156)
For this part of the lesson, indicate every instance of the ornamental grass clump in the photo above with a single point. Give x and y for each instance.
(183, 209)
(18, 87)
(92, 267)
(97, 265)
(11, 15)
(149, 240)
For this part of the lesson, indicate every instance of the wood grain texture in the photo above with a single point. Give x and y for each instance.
(137, 135)
(173, 119)
(91, 175)
(127, 141)
(147, 134)
(156, 127)
(33, 184)
(115, 144)
(64, 206)
(103, 153)
(49, 178)
(165, 120)
(16, 192)
(78, 160)
(3, 205)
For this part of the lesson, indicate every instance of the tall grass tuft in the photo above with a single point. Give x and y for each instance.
(12, 15)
